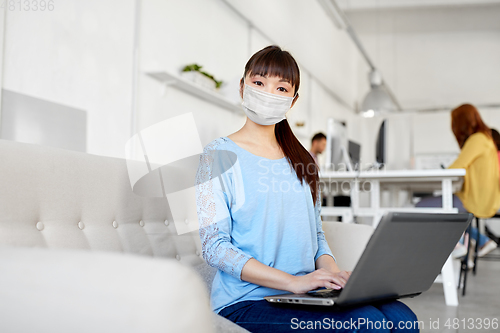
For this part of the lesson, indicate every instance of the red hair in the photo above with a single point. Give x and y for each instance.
(465, 121)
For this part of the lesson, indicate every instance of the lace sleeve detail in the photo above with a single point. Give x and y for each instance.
(323, 247)
(212, 204)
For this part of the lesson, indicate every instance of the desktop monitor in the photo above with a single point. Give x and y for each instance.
(335, 151)
(336, 143)
(354, 153)
(380, 145)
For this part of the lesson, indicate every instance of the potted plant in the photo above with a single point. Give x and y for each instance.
(193, 73)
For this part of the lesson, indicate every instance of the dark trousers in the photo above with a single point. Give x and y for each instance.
(262, 316)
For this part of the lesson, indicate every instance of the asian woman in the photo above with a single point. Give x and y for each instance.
(260, 222)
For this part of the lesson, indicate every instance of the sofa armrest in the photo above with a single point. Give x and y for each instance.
(45, 290)
(347, 242)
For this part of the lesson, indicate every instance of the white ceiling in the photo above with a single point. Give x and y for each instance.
(426, 19)
(433, 56)
(354, 5)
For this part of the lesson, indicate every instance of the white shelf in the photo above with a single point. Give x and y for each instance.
(195, 90)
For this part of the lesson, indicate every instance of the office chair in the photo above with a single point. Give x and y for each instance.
(465, 259)
(464, 262)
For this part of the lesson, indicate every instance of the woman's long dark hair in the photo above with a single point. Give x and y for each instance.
(273, 61)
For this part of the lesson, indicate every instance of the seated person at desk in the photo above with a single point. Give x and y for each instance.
(480, 193)
(318, 145)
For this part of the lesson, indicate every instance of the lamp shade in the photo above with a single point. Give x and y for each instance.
(376, 101)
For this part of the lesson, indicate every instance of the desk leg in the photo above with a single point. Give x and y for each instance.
(375, 202)
(329, 196)
(375, 194)
(450, 289)
(355, 194)
(347, 217)
(447, 194)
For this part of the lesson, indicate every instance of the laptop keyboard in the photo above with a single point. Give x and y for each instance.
(325, 293)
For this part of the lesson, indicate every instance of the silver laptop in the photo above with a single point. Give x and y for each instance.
(404, 256)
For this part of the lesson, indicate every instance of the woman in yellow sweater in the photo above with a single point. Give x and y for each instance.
(480, 193)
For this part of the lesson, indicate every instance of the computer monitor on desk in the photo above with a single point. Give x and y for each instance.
(380, 146)
(337, 158)
(355, 154)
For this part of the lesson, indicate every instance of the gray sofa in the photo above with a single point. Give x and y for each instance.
(56, 205)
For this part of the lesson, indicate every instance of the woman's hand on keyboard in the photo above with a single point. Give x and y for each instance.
(318, 279)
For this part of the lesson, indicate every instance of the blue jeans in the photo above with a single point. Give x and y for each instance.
(262, 316)
(437, 202)
(473, 235)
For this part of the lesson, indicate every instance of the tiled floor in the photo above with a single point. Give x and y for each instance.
(481, 301)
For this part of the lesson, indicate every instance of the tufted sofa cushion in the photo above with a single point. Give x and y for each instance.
(56, 198)
(63, 199)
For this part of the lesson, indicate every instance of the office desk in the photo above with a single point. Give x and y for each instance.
(374, 182)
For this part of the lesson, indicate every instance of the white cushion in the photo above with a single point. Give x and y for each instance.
(53, 291)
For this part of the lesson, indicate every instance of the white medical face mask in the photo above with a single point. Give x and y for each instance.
(265, 108)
